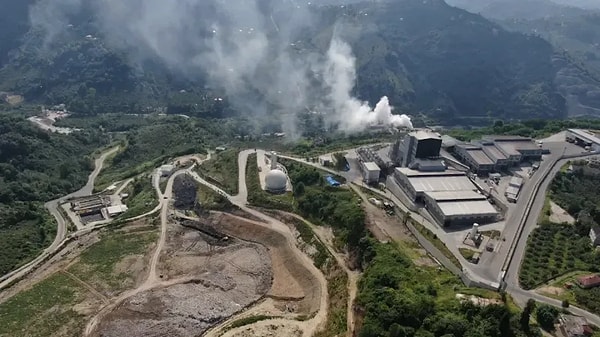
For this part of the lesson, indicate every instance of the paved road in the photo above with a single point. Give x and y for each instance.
(491, 265)
(61, 229)
(508, 256)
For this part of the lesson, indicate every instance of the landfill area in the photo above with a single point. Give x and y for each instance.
(211, 269)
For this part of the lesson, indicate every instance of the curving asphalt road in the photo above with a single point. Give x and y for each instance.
(61, 229)
(526, 212)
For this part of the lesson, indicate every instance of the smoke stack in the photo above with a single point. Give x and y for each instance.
(273, 160)
(474, 231)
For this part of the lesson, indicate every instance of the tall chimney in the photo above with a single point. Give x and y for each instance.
(273, 160)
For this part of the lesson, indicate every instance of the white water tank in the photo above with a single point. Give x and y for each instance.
(275, 181)
(474, 230)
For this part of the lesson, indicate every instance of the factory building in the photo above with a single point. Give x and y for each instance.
(450, 196)
(475, 158)
(517, 149)
(459, 208)
(90, 205)
(370, 171)
(166, 170)
(584, 139)
(420, 145)
(113, 211)
(498, 153)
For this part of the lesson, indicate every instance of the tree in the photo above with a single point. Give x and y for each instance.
(299, 189)
(525, 315)
(546, 315)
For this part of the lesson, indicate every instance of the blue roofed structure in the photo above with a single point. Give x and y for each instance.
(332, 182)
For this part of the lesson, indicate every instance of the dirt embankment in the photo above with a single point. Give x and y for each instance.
(292, 281)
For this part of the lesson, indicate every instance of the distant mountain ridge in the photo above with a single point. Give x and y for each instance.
(431, 59)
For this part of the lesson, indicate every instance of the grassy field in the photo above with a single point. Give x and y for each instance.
(437, 243)
(553, 250)
(142, 197)
(96, 265)
(44, 309)
(467, 253)
(222, 170)
(212, 200)
(493, 234)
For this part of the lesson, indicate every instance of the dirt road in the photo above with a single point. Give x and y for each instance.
(326, 237)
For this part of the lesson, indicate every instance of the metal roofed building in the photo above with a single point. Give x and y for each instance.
(416, 183)
(370, 171)
(450, 196)
(420, 144)
(475, 158)
(584, 138)
(500, 159)
(459, 207)
(516, 148)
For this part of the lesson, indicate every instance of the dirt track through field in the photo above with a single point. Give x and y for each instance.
(88, 286)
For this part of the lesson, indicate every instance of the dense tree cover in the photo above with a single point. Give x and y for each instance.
(399, 299)
(148, 145)
(35, 167)
(556, 249)
(535, 128)
(453, 66)
(546, 315)
(571, 190)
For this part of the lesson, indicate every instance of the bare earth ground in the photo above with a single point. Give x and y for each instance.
(205, 284)
(559, 215)
(550, 290)
(296, 292)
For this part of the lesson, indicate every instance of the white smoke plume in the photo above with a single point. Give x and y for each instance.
(246, 47)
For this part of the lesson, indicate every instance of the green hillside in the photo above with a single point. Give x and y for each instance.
(430, 58)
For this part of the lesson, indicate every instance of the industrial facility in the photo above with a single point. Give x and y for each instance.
(583, 138)
(448, 194)
(371, 172)
(94, 208)
(276, 180)
(497, 153)
(417, 145)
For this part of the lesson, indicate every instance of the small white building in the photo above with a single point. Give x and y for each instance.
(113, 211)
(166, 170)
(326, 160)
(370, 171)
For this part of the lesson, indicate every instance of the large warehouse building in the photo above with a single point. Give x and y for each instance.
(450, 196)
(497, 153)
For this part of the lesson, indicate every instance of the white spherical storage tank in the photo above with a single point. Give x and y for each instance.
(275, 181)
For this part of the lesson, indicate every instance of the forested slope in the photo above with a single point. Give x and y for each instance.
(428, 57)
(35, 167)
